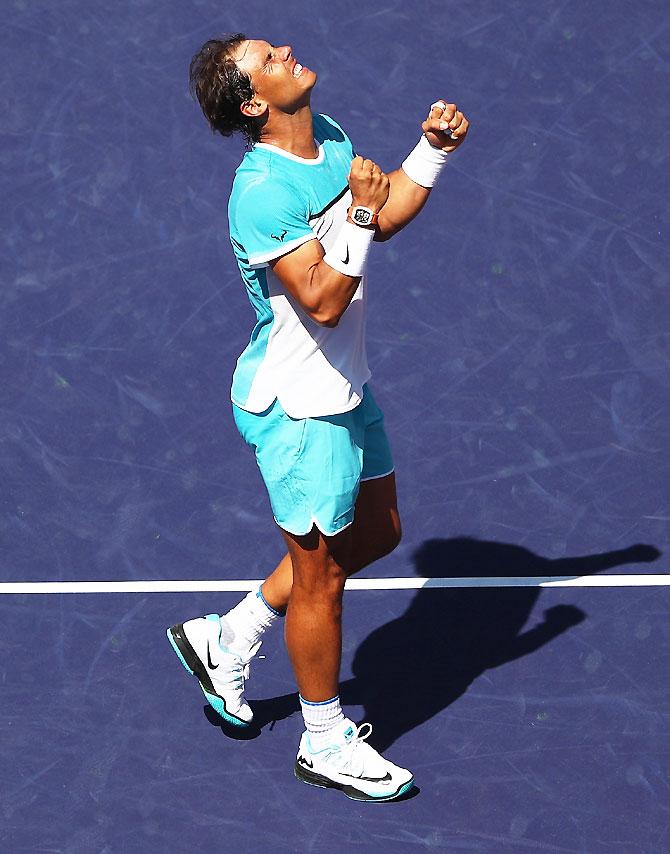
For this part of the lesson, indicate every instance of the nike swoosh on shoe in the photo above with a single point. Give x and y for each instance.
(209, 660)
(385, 779)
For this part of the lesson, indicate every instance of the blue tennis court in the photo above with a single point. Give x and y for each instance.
(513, 651)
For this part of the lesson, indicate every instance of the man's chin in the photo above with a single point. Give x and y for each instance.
(307, 93)
(310, 83)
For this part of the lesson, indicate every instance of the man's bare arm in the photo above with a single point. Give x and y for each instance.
(445, 129)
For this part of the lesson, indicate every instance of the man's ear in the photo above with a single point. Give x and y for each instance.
(254, 108)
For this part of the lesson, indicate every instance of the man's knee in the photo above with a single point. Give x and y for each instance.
(392, 538)
(386, 540)
(326, 580)
(319, 592)
(321, 565)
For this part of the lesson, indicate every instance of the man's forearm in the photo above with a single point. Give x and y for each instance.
(443, 131)
(404, 202)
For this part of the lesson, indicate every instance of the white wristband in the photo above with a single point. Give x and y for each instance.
(424, 164)
(349, 253)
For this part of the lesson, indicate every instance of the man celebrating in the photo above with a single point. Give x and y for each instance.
(304, 212)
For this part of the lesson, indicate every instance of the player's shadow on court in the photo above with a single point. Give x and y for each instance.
(413, 667)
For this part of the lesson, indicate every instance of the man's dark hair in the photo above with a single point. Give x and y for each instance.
(221, 88)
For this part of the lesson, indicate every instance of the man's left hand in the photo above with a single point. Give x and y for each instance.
(446, 127)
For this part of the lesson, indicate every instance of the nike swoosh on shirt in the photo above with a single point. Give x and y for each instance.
(209, 660)
(345, 260)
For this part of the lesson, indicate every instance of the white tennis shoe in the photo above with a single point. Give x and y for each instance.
(351, 765)
(220, 671)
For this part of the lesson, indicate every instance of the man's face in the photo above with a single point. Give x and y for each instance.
(276, 76)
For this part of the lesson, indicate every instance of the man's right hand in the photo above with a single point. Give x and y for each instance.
(369, 185)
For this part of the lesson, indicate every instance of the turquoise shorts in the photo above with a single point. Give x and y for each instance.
(313, 467)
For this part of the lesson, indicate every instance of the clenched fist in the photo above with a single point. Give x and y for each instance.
(369, 185)
(446, 126)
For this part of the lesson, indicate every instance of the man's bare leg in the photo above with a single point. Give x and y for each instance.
(313, 629)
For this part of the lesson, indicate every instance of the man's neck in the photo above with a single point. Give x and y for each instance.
(292, 132)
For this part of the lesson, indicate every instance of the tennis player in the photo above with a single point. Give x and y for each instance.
(304, 213)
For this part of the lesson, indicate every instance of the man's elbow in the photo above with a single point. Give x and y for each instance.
(383, 236)
(325, 313)
(324, 318)
(385, 231)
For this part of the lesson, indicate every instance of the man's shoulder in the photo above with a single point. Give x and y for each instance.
(256, 181)
(253, 167)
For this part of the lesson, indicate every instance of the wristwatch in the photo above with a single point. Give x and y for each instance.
(362, 215)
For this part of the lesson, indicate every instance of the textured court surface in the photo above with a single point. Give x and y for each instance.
(519, 341)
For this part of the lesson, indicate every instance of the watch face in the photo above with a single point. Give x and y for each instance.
(362, 216)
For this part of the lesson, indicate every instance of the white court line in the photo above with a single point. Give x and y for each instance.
(352, 584)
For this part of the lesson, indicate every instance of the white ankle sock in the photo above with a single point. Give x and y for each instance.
(320, 719)
(244, 624)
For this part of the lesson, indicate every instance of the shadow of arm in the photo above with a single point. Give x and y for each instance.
(591, 564)
(557, 620)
